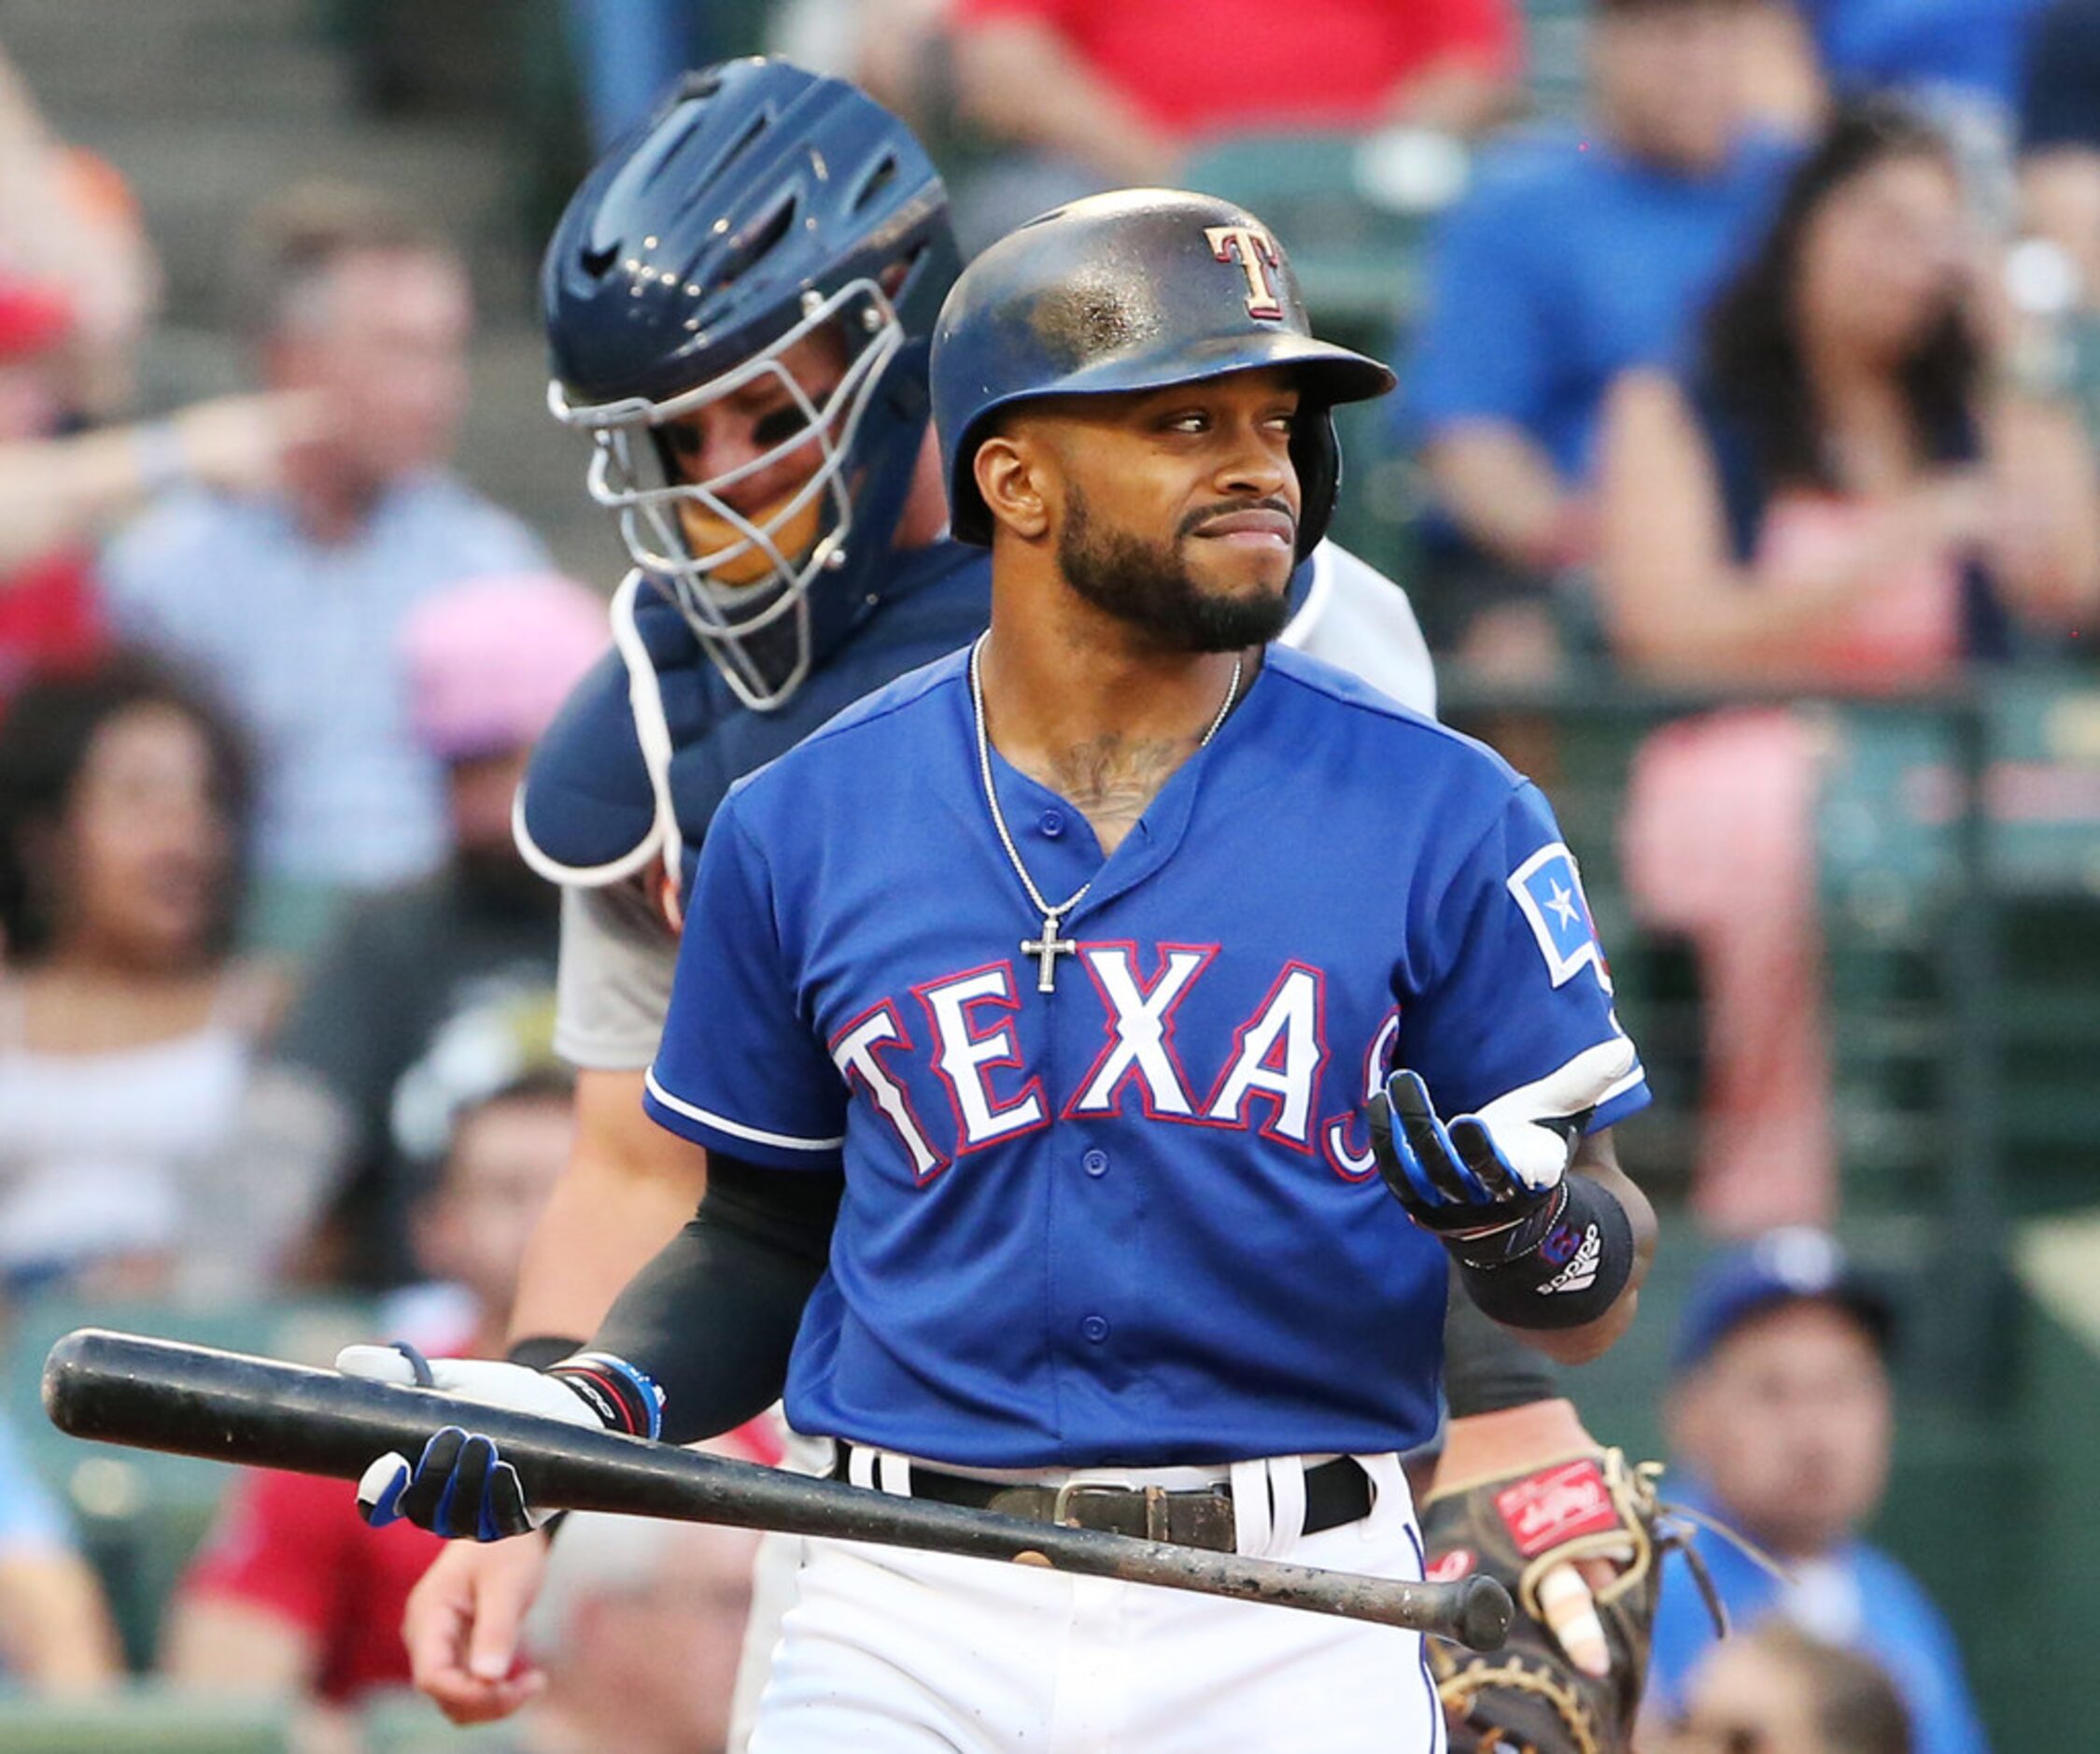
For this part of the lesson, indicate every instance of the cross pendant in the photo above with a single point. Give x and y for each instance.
(1046, 950)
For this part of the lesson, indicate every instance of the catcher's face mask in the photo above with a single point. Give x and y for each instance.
(737, 543)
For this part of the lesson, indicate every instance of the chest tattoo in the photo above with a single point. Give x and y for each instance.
(1112, 778)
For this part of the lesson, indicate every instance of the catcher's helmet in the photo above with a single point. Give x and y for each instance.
(759, 205)
(1135, 290)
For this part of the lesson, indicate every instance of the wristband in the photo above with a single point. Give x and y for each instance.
(623, 1397)
(1576, 1273)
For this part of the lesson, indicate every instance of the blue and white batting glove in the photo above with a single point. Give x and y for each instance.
(460, 1487)
(1489, 1185)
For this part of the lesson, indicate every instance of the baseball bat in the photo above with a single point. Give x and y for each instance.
(230, 1407)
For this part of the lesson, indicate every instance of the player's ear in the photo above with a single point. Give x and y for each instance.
(1009, 471)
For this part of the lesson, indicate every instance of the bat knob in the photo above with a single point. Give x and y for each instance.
(67, 1399)
(1484, 1614)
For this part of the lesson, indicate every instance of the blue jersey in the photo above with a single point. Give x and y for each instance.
(1136, 1218)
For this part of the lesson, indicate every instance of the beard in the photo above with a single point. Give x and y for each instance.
(1149, 586)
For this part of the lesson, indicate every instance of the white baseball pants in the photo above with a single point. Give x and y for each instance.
(891, 1651)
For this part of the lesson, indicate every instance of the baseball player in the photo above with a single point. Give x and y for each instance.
(1120, 1230)
(624, 787)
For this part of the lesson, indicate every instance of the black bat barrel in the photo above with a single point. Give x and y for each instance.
(262, 1412)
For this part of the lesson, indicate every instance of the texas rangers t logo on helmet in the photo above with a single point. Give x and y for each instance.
(1254, 251)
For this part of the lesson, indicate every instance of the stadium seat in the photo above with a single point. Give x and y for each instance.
(407, 1724)
(1924, 970)
(145, 1719)
(1554, 55)
(2085, 353)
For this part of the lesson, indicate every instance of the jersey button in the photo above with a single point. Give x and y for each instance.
(1096, 1328)
(1096, 1163)
(1051, 822)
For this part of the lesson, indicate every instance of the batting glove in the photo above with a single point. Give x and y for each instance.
(460, 1487)
(1487, 1194)
(1494, 1173)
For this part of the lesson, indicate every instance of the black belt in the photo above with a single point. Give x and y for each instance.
(1336, 1492)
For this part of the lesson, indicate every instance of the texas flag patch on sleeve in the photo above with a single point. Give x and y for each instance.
(1549, 889)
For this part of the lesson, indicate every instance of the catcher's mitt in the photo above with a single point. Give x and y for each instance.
(1528, 1698)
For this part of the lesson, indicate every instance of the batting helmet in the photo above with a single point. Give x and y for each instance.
(758, 205)
(1135, 290)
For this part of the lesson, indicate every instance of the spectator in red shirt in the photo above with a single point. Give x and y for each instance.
(290, 1595)
(48, 612)
(1102, 92)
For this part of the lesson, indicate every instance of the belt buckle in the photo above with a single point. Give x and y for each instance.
(1209, 1522)
(1061, 1505)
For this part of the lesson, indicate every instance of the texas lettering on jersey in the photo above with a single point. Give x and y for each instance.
(1264, 1076)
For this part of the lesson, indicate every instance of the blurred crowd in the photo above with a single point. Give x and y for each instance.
(1756, 373)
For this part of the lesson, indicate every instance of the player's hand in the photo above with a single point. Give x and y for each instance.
(460, 1487)
(461, 1629)
(1464, 1178)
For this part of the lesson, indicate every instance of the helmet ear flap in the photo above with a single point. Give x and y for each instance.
(1315, 453)
(969, 519)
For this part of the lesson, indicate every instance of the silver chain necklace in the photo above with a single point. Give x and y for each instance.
(1050, 947)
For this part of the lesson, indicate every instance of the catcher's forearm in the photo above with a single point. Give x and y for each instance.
(714, 1317)
(1486, 1368)
(1513, 1441)
(625, 1190)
